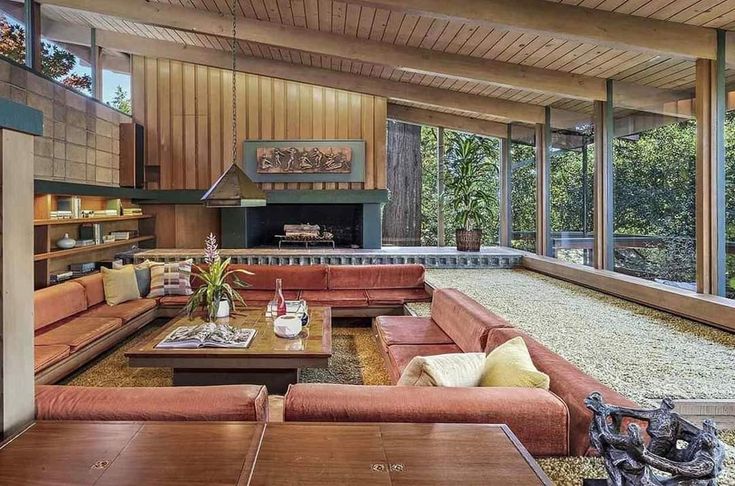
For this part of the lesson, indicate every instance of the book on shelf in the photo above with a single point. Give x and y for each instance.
(208, 335)
(124, 235)
(82, 267)
(132, 211)
(57, 277)
(60, 215)
(81, 243)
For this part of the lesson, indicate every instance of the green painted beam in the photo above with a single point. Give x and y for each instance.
(328, 197)
(20, 118)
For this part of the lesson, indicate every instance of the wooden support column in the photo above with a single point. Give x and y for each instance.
(440, 239)
(710, 172)
(32, 13)
(95, 61)
(504, 200)
(603, 256)
(543, 179)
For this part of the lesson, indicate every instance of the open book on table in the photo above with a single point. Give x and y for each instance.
(208, 335)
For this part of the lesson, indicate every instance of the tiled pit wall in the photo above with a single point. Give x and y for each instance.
(81, 137)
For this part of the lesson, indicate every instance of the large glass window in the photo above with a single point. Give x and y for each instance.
(654, 197)
(571, 188)
(116, 90)
(523, 190)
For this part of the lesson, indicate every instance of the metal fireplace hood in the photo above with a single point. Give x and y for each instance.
(234, 189)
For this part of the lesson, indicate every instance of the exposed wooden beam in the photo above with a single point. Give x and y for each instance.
(406, 58)
(543, 186)
(562, 21)
(418, 116)
(508, 110)
(96, 65)
(710, 176)
(602, 216)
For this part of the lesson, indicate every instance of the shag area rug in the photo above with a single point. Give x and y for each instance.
(640, 352)
(356, 360)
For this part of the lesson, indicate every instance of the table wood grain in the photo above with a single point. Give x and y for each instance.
(247, 453)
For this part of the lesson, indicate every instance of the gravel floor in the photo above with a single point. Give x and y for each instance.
(640, 352)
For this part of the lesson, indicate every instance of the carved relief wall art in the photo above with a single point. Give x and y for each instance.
(304, 160)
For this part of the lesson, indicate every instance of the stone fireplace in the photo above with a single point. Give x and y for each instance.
(353, 216)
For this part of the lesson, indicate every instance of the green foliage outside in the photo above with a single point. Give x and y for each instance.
(121, 101)
(653, 196)
(56, 62)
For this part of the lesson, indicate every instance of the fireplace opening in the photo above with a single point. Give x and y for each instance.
(344, 221)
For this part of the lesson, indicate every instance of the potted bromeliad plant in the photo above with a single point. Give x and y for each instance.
(469, 169)
(218, 294)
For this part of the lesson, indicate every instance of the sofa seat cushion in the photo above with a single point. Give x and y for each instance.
(392, 330)
(126, 311)
(402, 354)
(262, 297)
(376, 276)
(57, 302)
(465, 320)
(537, 417)
(173, 300)
(222, 403)
(396, 296)
(335, 298)
(79, 332)
(45, 356)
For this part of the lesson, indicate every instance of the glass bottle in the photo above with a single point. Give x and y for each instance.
(279, 299)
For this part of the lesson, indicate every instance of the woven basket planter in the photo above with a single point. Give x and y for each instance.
(468, 240)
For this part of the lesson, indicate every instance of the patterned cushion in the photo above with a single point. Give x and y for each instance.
(170, 279)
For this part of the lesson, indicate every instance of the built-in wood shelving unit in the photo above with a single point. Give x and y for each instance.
(48, 259)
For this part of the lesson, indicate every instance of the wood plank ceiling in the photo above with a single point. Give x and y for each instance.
(366, 22)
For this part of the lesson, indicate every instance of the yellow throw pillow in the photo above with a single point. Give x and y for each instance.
(510, 365)
(120, 285)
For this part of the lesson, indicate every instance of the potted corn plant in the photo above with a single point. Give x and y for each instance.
(469, 168)
(217, 296)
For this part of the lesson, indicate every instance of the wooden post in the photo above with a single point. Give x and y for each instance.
(440, 239)
(603, 255)
(710, 172)
(402, 214)
(504, 201)
(32, 12)
(543, 178)
(96, 65)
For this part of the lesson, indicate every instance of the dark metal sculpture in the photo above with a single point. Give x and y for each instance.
(688, 455)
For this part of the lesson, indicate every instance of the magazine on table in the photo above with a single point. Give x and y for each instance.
(208, 335)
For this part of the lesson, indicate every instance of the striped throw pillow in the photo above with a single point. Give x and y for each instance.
(170, 279)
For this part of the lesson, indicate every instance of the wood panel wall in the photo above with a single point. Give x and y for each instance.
(183, 225)
(187, 110)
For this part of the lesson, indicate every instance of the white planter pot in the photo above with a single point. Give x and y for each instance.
(223, 310)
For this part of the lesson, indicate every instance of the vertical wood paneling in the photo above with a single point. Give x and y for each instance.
(187, 113)
(190, 169)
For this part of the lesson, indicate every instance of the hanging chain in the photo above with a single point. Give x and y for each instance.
(234, 83)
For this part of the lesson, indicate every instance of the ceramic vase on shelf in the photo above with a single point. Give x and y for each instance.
(223, 309)
(66, 242)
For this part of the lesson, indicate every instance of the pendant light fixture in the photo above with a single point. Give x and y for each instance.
(234, 188)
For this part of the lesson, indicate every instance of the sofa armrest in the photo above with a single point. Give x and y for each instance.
(218, 403)
(537, 417)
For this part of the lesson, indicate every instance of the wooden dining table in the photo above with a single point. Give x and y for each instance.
(250, 453)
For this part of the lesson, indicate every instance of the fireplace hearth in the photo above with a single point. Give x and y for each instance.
(344, 221)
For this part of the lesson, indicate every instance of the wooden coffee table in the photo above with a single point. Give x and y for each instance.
(248, 453)
(269, 360)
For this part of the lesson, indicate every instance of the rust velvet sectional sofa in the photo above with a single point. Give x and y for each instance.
(550, 422)
(73, 323)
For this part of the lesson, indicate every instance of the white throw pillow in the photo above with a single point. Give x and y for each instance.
(450, 370)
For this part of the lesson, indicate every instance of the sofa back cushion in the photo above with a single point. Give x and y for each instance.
(376, 277)
(295, 277)
(93, 287)
(57, 302)
(566, 381)
(464, 320)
